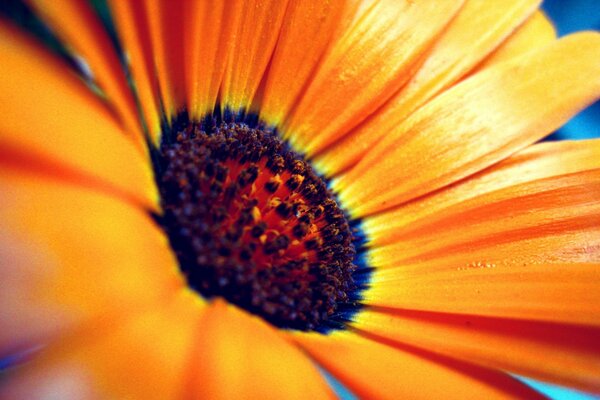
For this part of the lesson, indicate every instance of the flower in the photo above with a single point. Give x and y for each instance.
(167, 230)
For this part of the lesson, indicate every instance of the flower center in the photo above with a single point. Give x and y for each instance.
(250, 221)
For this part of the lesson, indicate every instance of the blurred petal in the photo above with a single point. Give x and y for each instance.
(78, 26)
(376, 371)
(241, 356)
(70, 255)
(151, 352)
(51, 115)
(560, 353)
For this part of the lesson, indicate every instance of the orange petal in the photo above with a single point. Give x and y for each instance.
(537, 32)
(375, 371)
(563, 354)
(542, 160)
(562, 293)
(551, 220)
(166, 35)
(69, 255)
(134, 35)
(79, 27)
(50, 114)
(241, 356)
(146, 357)
(478, 28)
(257, 24)
(304, 38)
(476, 124)
(370, 61)
(208, 27)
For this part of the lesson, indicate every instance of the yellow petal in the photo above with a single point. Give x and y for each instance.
(542, 160)
(134, 36)
(257, 24)
(78, 26)
(70, 255)
(535, 33)
(146, 357)
(476, 124)
(371, 60)
(48, 113)
(238, 356)
(376, 371)
(478, 28)
(560, 353)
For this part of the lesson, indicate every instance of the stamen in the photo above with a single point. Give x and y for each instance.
(250, 221)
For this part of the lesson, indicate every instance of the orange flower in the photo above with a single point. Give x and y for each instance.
(268, 187)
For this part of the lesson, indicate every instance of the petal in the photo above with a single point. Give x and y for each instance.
(165, 27)
(376, 371)
(542, 160)
(48, 114)
(371, 60)
(257, 25)
(208, 28)
(478, 28)
(144, 358)
(134, 36)
(476, 124)
(78, 26)
(241, 356)
(70, 255)
(549, 220)
(564, 354)
(306, 35)
(562, 293)
(535, 33)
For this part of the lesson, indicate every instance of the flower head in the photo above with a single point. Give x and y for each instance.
(220, 199)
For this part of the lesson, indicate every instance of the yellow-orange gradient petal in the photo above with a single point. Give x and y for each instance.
(542, 160)
(144, 357)
(304, 38)
(475, 124)
(166, 35)
(130, 21)
(79, 27)
(562, 293)
(560, 353)
(374, 370)
(479, 27)
(503, 235)
(208, 27)
(256, 25)
(371, 60)
(48, 112)
(69, 255)
(535, 33)
(240, 356)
